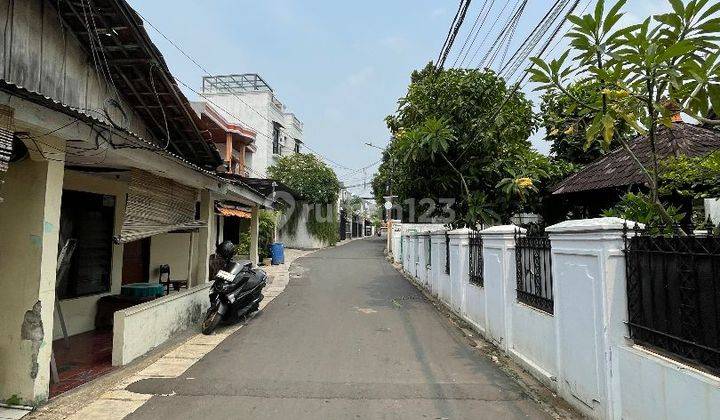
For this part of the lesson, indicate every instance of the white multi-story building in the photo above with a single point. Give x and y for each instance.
(247, 100)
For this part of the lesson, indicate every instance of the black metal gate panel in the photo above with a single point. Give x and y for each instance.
(476, 259)
(533, 265)
(673, 288)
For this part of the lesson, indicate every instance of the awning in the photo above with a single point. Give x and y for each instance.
(229, 211)
(157, 205)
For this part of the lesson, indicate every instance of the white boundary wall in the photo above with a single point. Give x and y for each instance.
(581, 351)
(141, 328)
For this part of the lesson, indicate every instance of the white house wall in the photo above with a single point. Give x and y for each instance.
(257, 111)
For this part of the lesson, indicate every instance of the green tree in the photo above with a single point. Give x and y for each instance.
(352, 205)
(318, 189)
(644, 73)
(566, 124)
(692, 177)
(451, 139)
(308, 176)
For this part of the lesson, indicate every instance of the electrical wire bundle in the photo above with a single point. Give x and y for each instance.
(452, 33)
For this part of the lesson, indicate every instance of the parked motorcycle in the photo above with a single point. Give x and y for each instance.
(236, 290)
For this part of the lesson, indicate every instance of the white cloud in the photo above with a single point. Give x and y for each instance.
(437, 12)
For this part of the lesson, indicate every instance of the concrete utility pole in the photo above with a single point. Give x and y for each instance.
(390, 196)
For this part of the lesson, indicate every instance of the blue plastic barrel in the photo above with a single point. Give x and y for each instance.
(277, 253)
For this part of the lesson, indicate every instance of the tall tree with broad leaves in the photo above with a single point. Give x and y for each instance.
(644, 73)
(452, 140)
(566, 124)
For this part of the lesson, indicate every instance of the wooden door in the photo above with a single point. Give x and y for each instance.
(136, 261)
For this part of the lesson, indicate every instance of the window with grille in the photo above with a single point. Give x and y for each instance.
(476, 259)
(533, 265)
(276, 138)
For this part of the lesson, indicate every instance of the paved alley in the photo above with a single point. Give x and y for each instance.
(349, 338)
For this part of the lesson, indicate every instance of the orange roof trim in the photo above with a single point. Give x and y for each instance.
(228, 212)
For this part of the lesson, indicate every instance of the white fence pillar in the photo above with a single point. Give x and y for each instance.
(396, 246)
(422, 242)
(411, 242)
(588, 269)
(437, 269)
(499, 279)
(405, 252)
(443, 282)
(459, 267)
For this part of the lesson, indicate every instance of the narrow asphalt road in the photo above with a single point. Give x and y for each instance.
(349, 338)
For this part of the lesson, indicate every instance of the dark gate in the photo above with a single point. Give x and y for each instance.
(673, 288)
(343, 224)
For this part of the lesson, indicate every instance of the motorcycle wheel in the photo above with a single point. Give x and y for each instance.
(212, 319)
(256, 307)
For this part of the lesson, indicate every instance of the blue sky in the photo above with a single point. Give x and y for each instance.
(339, 65)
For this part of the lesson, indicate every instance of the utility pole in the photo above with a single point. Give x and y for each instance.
(389, 197)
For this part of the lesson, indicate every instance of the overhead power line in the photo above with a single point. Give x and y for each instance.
(488, 33)
(362, 169)
(477, 32)
(533, 39)
(546, 45)
(517, 86)
(207, 73)
(504, 37)
(473, 30)
(454, 29)
(449, 34)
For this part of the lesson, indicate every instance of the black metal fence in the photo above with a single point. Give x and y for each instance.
(533, 265)
(476, 259)
(447, 253)
(673, 289)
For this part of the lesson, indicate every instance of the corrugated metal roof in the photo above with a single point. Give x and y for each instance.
(141, 75)
(618, 169)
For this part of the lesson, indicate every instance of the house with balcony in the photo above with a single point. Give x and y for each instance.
(248, 101)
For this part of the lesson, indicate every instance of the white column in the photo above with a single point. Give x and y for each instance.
(254, 235)
(394, 238)
(422, 240)
(459, 266)
(588, 270)
(500, 284)
(206, 238)
(220, 229)
(437, 242)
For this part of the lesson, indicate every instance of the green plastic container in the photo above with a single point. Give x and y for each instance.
(142, 290)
